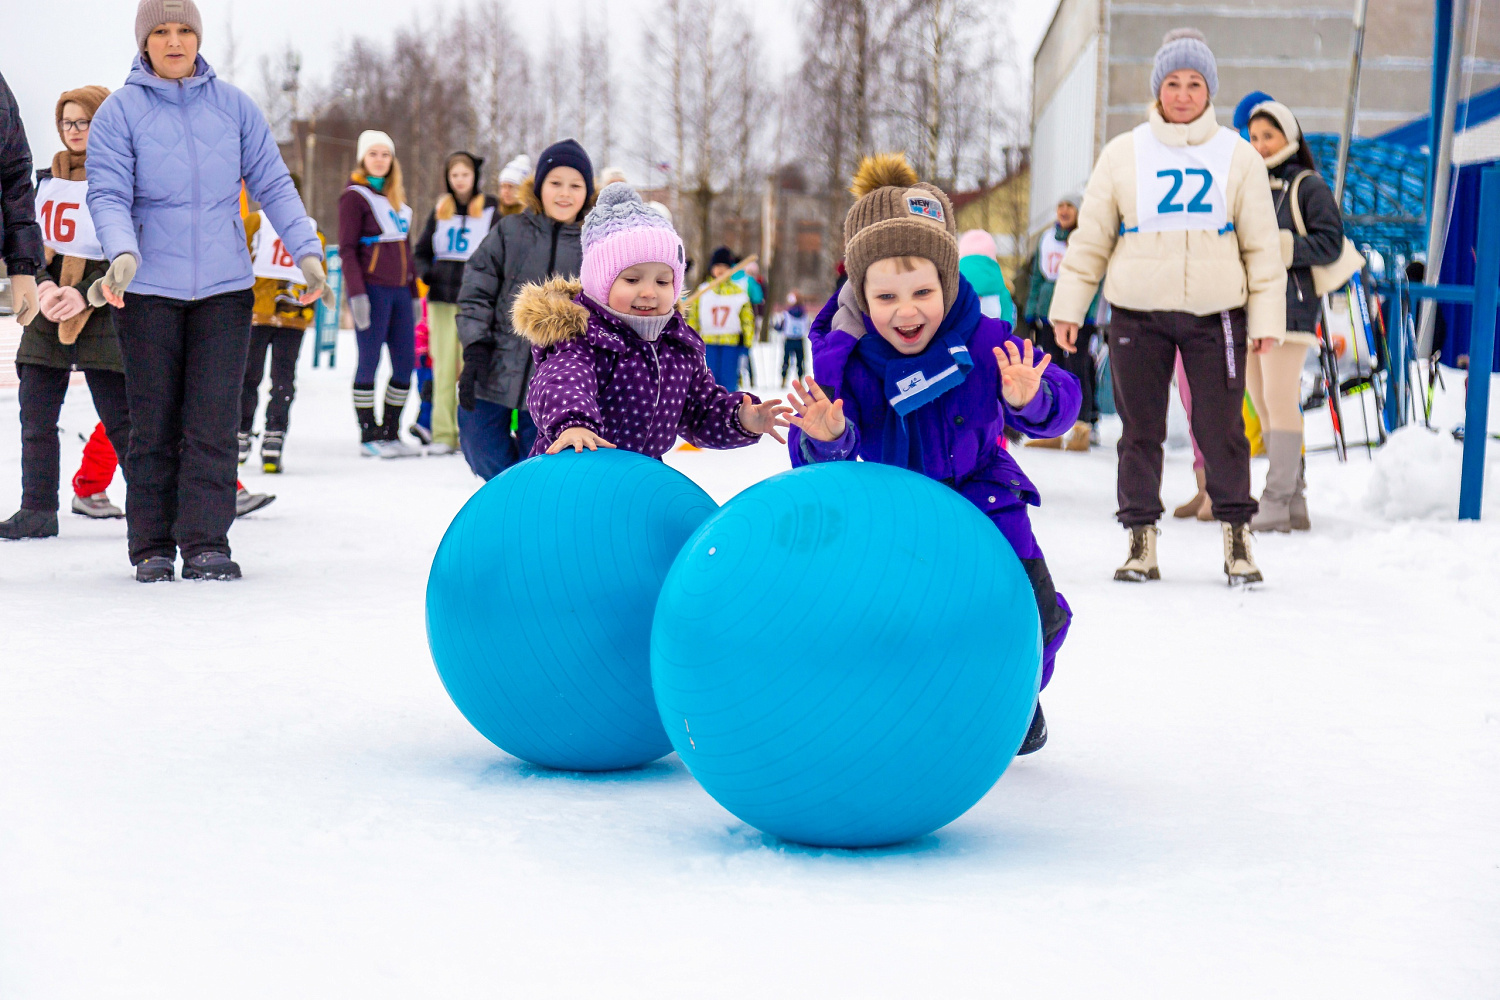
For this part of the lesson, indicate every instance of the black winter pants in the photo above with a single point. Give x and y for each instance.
(284, 345)
(1079, 364)
(41, 397)
(184, 370)
(1142, 350)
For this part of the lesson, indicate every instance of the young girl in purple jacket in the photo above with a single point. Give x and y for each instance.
(616, 365)
(923, 380)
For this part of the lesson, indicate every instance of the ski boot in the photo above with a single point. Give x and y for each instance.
(244, 442)
(97, 505)
(1140, 565)
(1239, 563)
(422, 434)
(30, 524)
(210, 566)
(246, 502)
(270, 451)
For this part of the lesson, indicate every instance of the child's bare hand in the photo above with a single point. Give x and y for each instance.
(1019, 377)
(764, 418)
(819, 418)
(578, 438)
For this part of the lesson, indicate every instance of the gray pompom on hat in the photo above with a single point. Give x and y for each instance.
(152, 14)
(1184, 48)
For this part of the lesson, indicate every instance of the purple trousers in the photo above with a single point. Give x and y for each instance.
(1015, 524)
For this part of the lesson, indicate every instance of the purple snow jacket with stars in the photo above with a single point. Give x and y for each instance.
(594, 372)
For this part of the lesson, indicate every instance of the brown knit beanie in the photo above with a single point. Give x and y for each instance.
(898, 216)
(152, 14)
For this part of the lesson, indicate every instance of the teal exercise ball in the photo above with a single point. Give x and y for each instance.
(540, 599)
(884, 688)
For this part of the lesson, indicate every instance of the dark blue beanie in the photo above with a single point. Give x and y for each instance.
(723, 255)
(567, 153)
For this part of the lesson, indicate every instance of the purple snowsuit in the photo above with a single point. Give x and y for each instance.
(594, 372)
(960, 433)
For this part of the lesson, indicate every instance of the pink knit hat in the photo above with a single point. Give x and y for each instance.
(621, 232)
(977, 242)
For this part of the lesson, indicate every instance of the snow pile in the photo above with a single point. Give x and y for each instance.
(1417, 475)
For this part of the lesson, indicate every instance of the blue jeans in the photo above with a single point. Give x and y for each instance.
(485, 437)
(391, 324)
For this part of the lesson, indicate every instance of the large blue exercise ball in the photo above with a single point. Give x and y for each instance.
(539, 605)
(847, 655)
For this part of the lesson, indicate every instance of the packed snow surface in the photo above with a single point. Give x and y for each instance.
(260, 789)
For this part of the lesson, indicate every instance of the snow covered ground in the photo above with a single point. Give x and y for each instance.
(260, 789)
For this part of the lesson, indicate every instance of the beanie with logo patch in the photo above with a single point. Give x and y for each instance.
(898, 216)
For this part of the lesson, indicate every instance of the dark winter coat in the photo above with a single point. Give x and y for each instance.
(444, 278)
(20, 236)
(96, 347)
(1323, 243)
(386, 264)
(523, 249)
(959, 431)
(593, 372)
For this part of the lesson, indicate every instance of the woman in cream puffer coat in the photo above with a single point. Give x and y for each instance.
(1178, 222)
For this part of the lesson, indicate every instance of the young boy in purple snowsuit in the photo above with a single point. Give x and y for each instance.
(921, 379)
(616, 365)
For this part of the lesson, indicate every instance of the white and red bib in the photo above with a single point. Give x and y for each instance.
(62, 208)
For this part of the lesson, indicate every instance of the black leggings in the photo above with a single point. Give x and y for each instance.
(284, 345)
(41, 396)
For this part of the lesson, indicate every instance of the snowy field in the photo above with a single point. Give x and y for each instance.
(261, 790)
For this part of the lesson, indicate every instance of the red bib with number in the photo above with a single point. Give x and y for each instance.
(63, 210)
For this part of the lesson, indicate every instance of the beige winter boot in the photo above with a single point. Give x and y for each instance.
(1199, 503)
(1140, 564)
(1239, 563)
(1078, 438)
(1044, 442)
(1298, 505)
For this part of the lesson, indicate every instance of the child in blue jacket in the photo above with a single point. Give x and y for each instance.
(922, 379)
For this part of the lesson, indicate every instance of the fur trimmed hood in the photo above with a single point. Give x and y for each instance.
(546, 313)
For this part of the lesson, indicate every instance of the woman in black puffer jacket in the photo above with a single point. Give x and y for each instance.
(1274, 379)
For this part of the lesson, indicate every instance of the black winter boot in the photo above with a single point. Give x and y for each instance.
(1036, 736)
(210, 566)
(156, 569)
(30, 524)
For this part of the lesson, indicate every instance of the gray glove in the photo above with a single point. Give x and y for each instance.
(359, 311)
(416, 309)
(317, 281)
(119, 276)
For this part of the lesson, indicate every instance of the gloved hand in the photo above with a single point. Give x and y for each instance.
(23, 300)
(477, 360)
(110, 289)
(317, 281)
(359, 311)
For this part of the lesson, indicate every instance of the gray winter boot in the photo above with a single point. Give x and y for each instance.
(1298, 505)
(1285, 451)
(1140, 564)
(1239, 563)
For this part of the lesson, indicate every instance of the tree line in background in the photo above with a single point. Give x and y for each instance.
(705, 124)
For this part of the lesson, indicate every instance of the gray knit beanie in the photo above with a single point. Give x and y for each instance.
(1184, 48)
(152, 14)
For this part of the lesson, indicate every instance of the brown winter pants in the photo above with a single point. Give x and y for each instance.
(1143, 348)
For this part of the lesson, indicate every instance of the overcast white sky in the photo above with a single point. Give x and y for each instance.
(51, 47)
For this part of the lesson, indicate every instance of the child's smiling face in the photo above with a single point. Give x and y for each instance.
(643, 290)
(906, 301)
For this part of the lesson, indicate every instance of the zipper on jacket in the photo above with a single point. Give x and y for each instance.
(187, 127)
(656, 358)
(552, 260)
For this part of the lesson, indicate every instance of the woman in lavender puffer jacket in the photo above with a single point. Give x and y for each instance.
(167, 154)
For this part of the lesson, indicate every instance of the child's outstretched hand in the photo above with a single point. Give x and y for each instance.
(578, 438)
(819, 419)
(764, 418)
(1019, 378)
